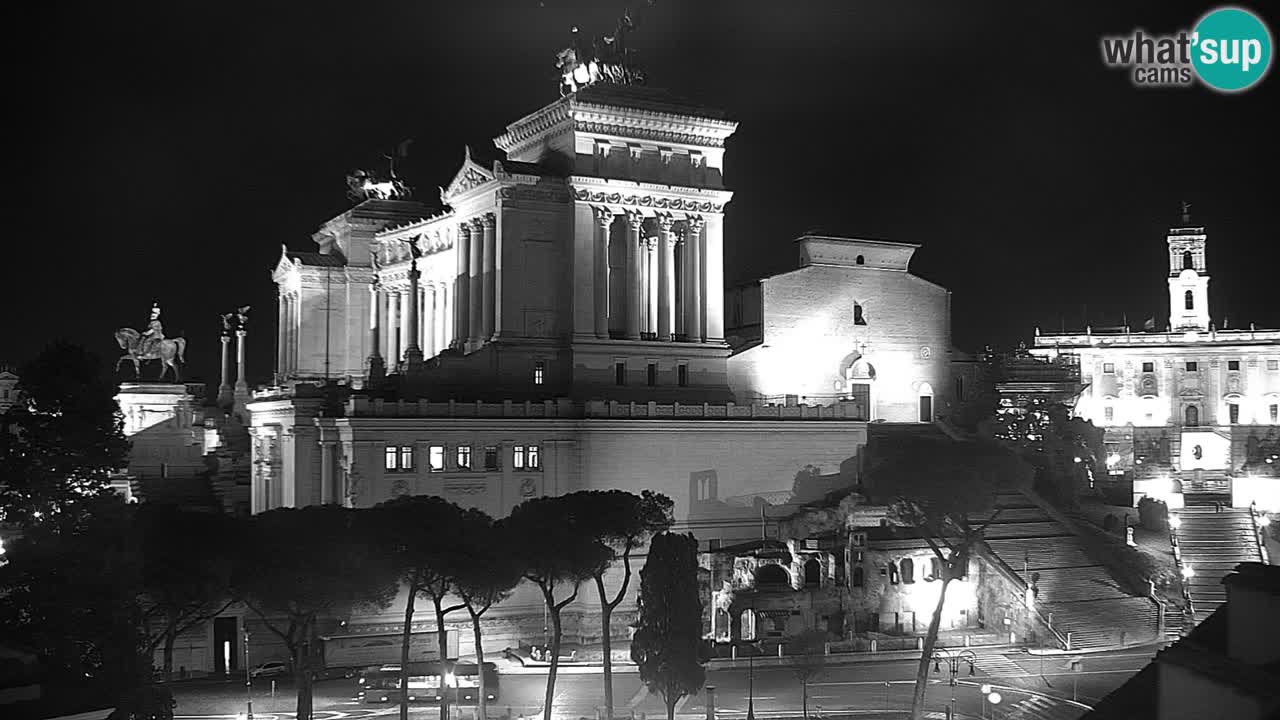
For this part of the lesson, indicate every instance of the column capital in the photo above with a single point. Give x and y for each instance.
(604, 216)
(695, 223)
(666, 222)
(635, 220)
(241, 332)
(489, 221)
(650, 242)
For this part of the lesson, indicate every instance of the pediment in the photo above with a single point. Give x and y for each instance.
(470, 176)
(285, 266)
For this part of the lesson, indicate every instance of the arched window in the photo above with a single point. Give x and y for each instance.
(859, 260)
(908, 571)
(935, 569)
(859, 577)
(1189, 300)
(893, 574)
(812, 573)
(1192, 414)
(858, 318)
(772, 575)
(1188, 261)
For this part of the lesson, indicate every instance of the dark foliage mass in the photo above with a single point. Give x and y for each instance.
(667, 645)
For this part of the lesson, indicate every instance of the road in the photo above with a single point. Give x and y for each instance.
(1031, 687)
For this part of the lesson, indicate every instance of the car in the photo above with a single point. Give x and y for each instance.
(271, 668)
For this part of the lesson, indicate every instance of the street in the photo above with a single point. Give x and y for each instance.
(1030, 687)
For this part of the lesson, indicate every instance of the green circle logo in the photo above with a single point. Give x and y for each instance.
(1231, 49)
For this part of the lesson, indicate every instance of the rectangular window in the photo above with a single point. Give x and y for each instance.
(435, 457)
(534, 462)
(1109, 414)
(1273, 364)
(1192, 366)
(391, 458)
(491, 457)
(713, 544)
(620, 373)
(464, 457)
(651, 374)
(1148, 367)
(406, 457)
(682, 375)
(1233, 364)
(1275, 412)
(1233, 412)
(539, 371)
(517, 457)
(1109, 368)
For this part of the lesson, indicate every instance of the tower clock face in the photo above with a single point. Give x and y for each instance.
(925, 352)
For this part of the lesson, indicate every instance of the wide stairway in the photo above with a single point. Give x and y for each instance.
(1212, 543)
(1078, 595)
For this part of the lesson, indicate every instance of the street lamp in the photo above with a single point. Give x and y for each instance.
(985, 690)
(953, 660)
(248, 678)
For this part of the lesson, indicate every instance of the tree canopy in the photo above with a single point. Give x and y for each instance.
(667, 645)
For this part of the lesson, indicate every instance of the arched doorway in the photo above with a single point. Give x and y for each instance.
(772, 575)
(860, 376)
(812, 573)
(1192, 416)
(925, 394)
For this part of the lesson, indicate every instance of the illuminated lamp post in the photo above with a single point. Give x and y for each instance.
(992, 697)
(248, 679)
(953, 660)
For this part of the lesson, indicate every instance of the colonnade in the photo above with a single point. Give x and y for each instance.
(655, 287)
(290, 310)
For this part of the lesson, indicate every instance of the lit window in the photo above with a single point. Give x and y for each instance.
(651, 374)
(1109, 368)
(406, 457)
(1233, 364)
(517, 457)
(682, 375)
(539, 371)
(1189, 300)
(464, 457)
(1109, 413)
(1148, 367)
(436, 458)
(532, 456)
(620, 373)
(391, 458)
(1233, 412)
(1275, 412)
(1192, 366)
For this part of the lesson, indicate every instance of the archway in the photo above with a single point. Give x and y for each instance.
(772, 575)
(925, 395)
(1192, 416)
(908, 570)
(812, 573)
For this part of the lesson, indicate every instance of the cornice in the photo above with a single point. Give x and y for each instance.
(643, 196)
(534, 125)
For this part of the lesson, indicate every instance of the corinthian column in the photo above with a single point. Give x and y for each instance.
(405, 307)
(393, 324)
(475, 283)
(651, 286)
(461, 287)
(376, 367)
(224, 389)
(634, 297)
(282, 343)
(488, 302)
(413, 351)
(429, 329)
(693, 251)
(666, 276)
(604, 220)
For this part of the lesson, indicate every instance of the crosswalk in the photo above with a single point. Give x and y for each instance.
(994, 664)
(1035, 707)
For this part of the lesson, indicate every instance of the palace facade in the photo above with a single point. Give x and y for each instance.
(1193, 407)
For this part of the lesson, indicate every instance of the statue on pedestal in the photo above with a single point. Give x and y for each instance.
(151, 344)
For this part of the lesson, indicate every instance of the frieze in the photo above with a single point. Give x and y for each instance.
(464, 488)
(524, 192)
(648, 133)
(648, 201)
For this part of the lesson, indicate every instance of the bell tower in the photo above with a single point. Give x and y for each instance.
(1188, 276)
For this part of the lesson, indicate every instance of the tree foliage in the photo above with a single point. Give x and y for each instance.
(555, 552)
(946, 490)
(490, 576)
(621, 522)
(301, 565)
(667, 645)
(63, 439)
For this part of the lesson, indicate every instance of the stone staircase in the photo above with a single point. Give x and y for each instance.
(1077, 594)
(1212, 543)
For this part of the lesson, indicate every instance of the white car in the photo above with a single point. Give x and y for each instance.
(273, 668)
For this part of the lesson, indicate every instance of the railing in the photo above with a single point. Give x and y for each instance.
(1258, 530)
(1177, 559)
(653, 410)
(1047, 621)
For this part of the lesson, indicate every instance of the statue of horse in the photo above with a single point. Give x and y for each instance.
(165, 351)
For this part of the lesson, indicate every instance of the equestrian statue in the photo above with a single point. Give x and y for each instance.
(151, 345)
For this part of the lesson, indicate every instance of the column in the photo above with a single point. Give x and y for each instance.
(490, 270)
(242, 385)
(412, 350)
(393, 325)
(282, 344)
(651, 285)
(327, 483)
(405, 306)
(666, 276)
(224, 389)
(461, 287)
(475, 285)
(429, 311)
(376, 367)
(293, 333)
(604, 220)
(387, 328)
(713, 278)
(693, 251)
(446, 317)
(634, 223)
(680, 279)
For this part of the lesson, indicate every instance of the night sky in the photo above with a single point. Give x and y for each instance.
(164, 151)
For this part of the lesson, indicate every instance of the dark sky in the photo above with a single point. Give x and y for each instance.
(166, 150)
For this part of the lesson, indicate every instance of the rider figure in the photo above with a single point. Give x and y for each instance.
(150, 342)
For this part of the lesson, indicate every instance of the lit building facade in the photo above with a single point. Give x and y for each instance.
(1194, 403)
(8, 387)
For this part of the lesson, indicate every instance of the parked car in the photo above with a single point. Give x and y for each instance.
(271, 668)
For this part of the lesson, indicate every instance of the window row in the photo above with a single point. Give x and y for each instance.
(400, 458)
(1190, 366)
(651, 374)
(905, 572)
